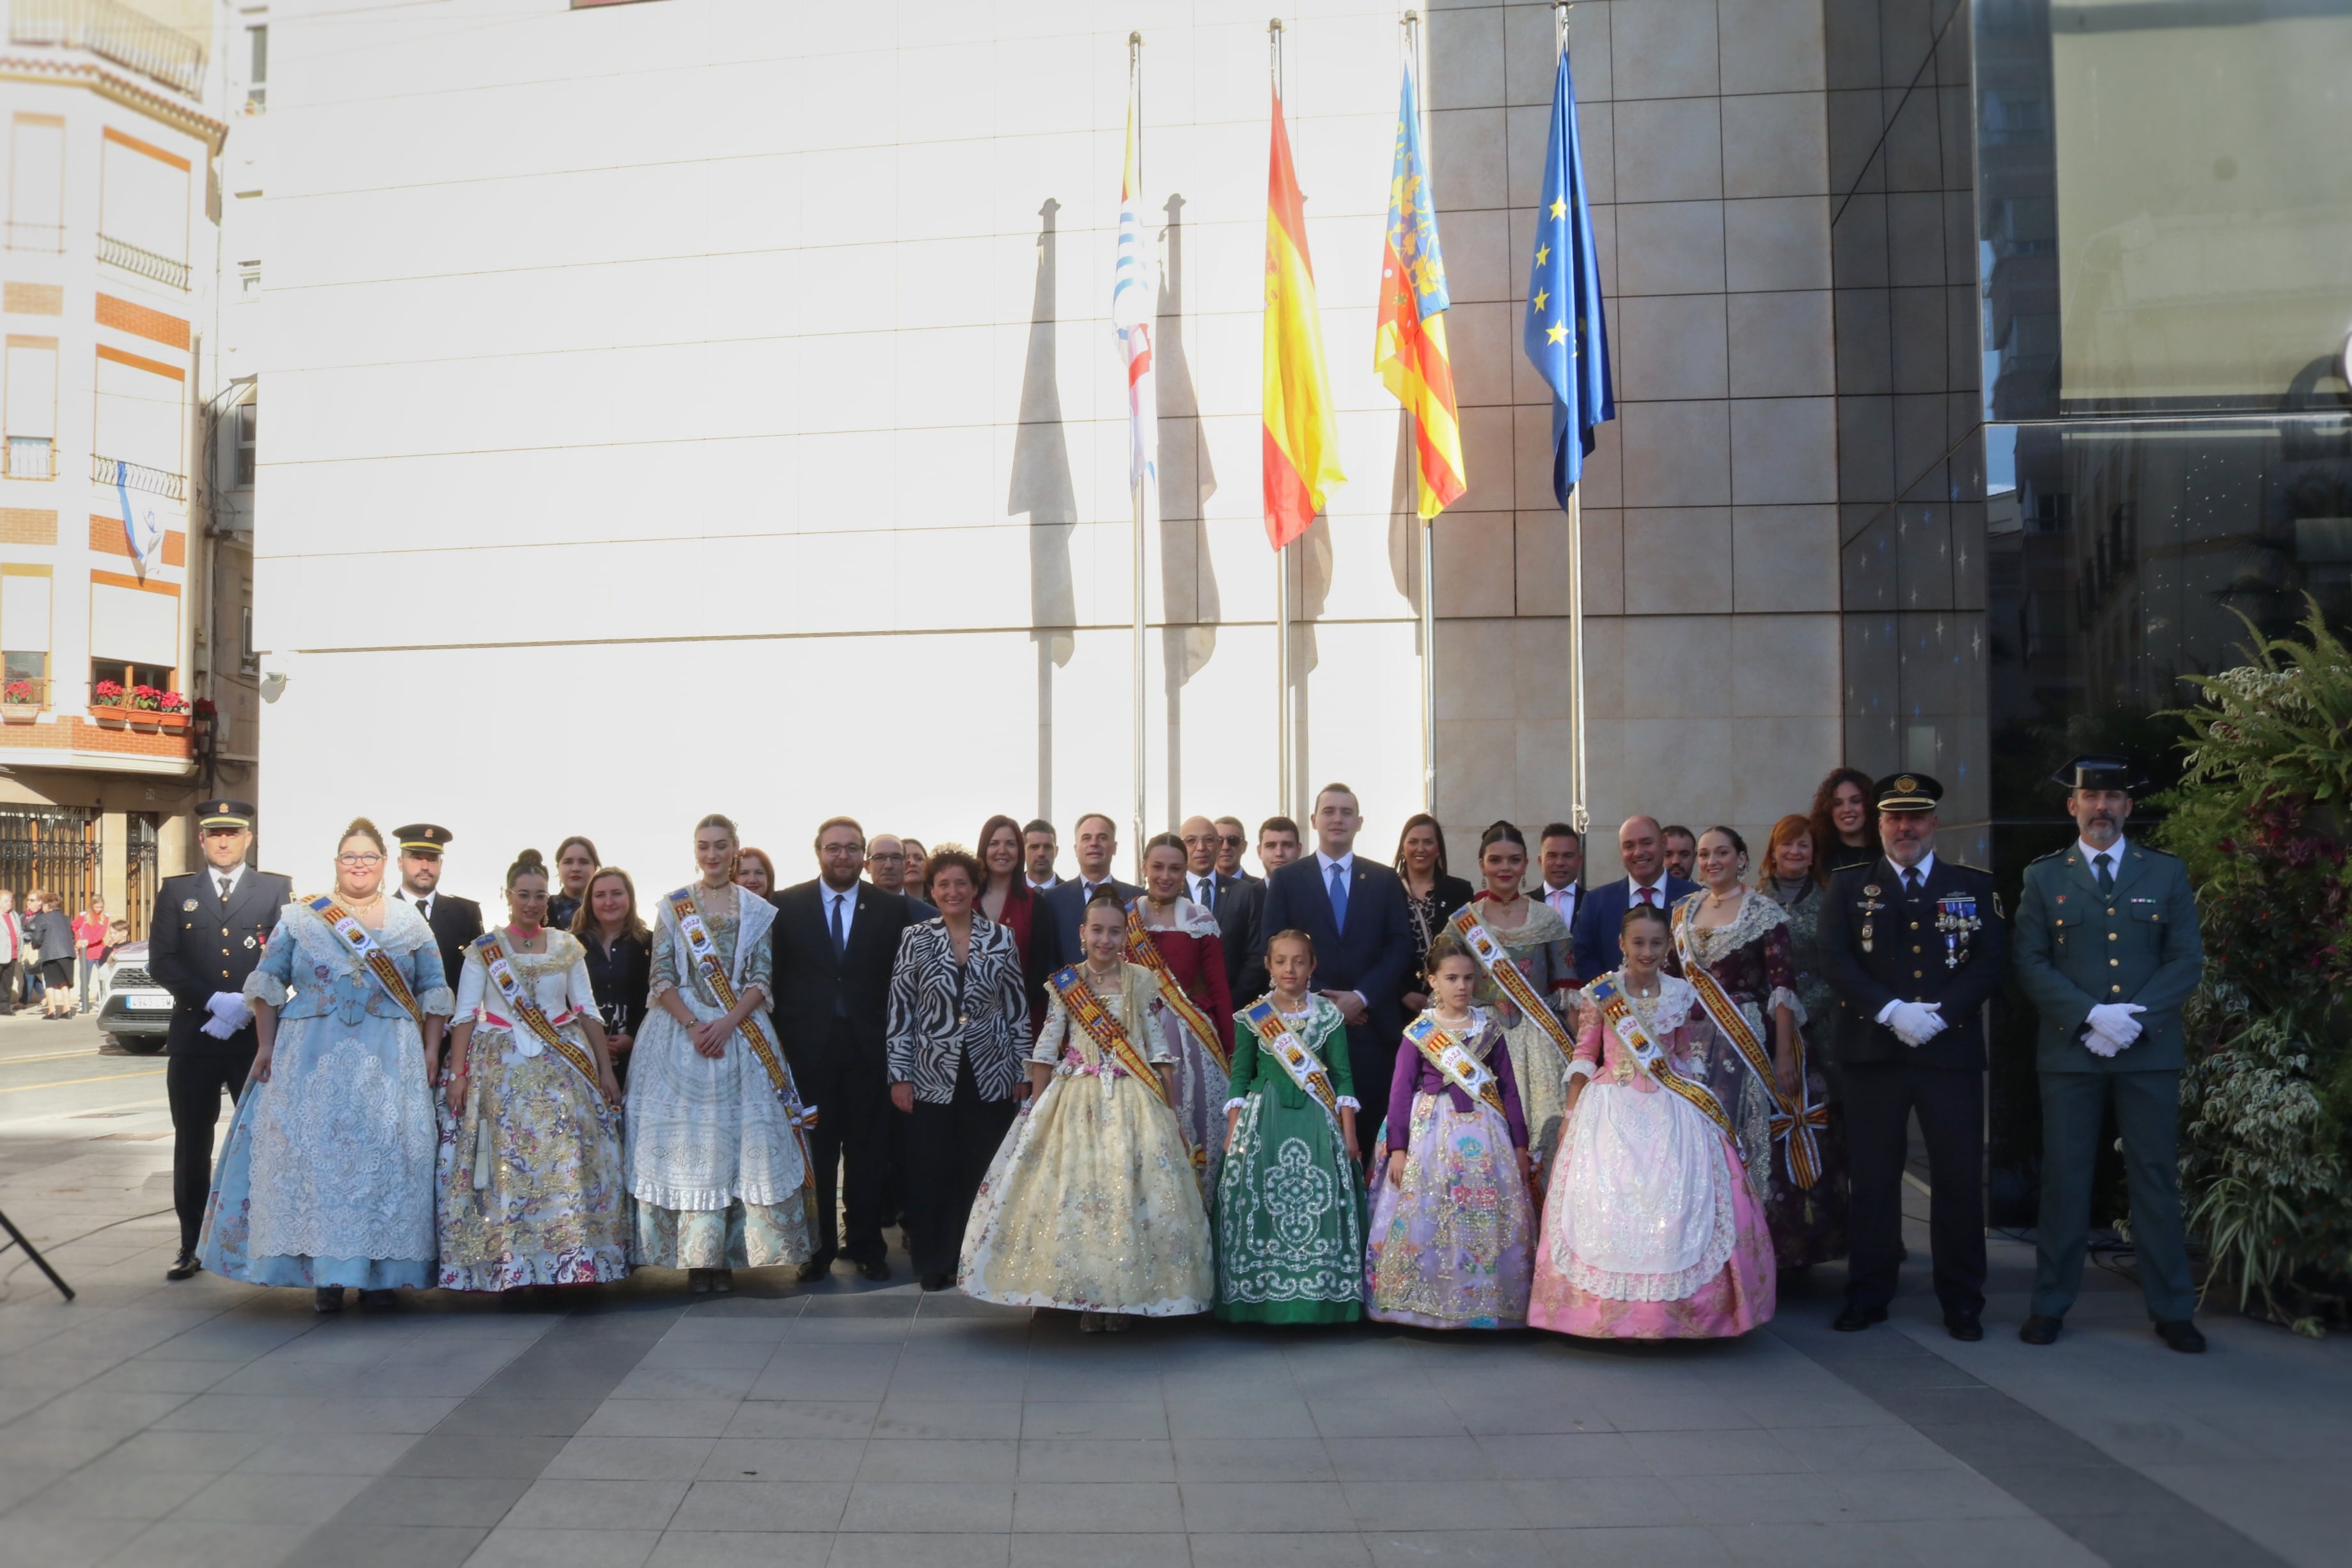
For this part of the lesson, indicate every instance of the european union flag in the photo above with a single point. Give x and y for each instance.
(1565, 338)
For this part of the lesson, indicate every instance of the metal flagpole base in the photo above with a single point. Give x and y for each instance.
(34, 1254)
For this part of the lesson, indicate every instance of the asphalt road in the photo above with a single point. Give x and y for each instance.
(49, 1069)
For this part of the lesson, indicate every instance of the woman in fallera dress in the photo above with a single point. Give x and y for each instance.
(1650, 1232)
(531, 1188)
(1177, 941)
(718, 1169)
(1810, 1229)
(327, 1176)
(1534, 939)
(1091, 1205)
(1289, 1215)
(1451, 1218)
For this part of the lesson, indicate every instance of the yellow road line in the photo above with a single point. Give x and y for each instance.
(93, 1054)
(69, 1082)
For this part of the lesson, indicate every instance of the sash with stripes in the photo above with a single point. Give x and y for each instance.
(1496, 961)
(714, 974)
(373, 959)
(1794, 1122)
(1142, 949)
(1609, 994)
(1456, 1062)
(1299, 1061)
(492, 946)
(1102, 1028)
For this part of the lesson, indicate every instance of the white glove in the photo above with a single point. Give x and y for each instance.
(220, 1028)
(229, 1012)
(1914, 1023)
(2100, 1044)
(2114, 1020)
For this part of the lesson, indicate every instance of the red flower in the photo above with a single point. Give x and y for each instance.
(172, 703)
(204, 708)
(107, 691)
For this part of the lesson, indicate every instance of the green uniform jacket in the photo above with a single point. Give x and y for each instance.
(2077, 948)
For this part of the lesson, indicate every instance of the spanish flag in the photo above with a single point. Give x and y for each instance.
(1409, 346)
(1302, 439)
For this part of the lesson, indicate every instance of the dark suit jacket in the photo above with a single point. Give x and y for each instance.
(1370, 956)
(455, 922)
(1601, 921)
(1065, 901)
(1907, 961)
(196, 947)
(1237, 928)
(809, 979)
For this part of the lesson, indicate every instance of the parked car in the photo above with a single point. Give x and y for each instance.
(137, 1012)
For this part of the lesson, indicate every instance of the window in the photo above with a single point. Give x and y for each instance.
(25, 631)
(142, 210)
(139, 423)
(132, 674)
(246, 414)
(32, 409)
(36, 182)
(257, 74)
(134, 632)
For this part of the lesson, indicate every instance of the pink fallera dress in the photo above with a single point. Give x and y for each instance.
(1650, 1231)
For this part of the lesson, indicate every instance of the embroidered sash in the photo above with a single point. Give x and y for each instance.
(714, 974)
(1609, 994)
(492, 946)
(1142, 949)
(1456, 1062)
(1298, 1058)
(1794, 1122)
(1504, 971)
(377, 964)
(1104, 1029)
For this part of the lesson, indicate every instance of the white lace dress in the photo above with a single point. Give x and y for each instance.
(327, 1176)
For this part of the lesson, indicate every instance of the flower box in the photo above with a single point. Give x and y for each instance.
(110, 715)
(19, 712)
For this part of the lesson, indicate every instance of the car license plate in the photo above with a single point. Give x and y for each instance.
(145, 1003)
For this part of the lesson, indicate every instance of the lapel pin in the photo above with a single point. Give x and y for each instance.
(189, 908)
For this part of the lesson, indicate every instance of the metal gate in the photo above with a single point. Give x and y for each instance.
(58, 848)
(139, 874)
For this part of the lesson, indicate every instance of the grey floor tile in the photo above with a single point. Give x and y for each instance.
(90, 1494)
(928, 1507)
(883, 1549)
(215, 1453)
(1288, 1417)
(1229, 1508)
(688, 1382)
(763, 1505)
(1547, 1504)
(552, 1504)
(1097, 1459)
(479, 1454)
(662, 1418)
(1844, 1450)
(509, 1547)
(782, 1459)
(949, 1418)
(71, 1542)
(676, 1355)
(1394, 1459)
(1845, 1545)
(160, 1377)
(325, 1452)
(2012, 1543)
(470, 1503)
(1251, 1459)
(1651, 1546)
(1366, 1417)
(1096, 1507)
(1889, 1495)
(1454, 1505)
(247, 1498)
(1339, 1548)
(544, 1418)
(1104, 1419)
(1082, 1550)
(741, 1549)
(393, 1546)
(1469, 1548)
(1758, 1499)
(801, 1418)
(630, 1459)
(213, 1543)
(1577, 1456)
(941, 1459)
(1744, 1452)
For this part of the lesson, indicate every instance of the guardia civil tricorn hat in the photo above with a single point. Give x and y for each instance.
(2099, 770)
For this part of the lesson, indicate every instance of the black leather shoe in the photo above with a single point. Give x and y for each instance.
(1853, 1320)
(939, 1282)
(1965, 1327)
(815, 1268)
(2038, 1330)
(2183, 1336)
(184, 1267)
(874, 1268)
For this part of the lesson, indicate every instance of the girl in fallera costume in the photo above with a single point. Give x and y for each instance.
(1651, 1232)
(1451, 1213)
(532, 1181)
(1289, 1215)
(718, 1173)
(1532, 940)
(1091, 1205)
(327, 1176)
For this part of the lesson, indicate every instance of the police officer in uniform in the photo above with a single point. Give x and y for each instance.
(205, 938)
(2107, 949)
(1913, 945)
(455, 922)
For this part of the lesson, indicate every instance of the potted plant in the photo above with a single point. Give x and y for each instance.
(108, 706)
(20, 702)
(171, 710)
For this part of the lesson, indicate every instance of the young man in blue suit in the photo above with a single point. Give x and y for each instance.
(1601, 913)
(1355, 911)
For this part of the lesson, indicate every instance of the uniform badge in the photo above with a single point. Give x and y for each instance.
(189, 908)
(1871, 891)
(1956, 917)
(2062, 898)
(251, 943)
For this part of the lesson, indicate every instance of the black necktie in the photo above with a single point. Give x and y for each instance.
(2107, 879)
(840, 941)
(224, 887)
(1911, 881)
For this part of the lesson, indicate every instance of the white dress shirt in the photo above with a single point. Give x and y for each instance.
(2090, 853)
(1564, 903)
(846, 899)
(1204, 889)
(1925, 868)
(235, 874)
(423, 904)
(1664, 900)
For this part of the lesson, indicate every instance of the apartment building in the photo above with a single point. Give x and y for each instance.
(125, 575)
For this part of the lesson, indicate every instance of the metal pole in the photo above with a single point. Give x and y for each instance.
(1414, 39)
(1581, 807)
(1135, 74)
(1285, 730)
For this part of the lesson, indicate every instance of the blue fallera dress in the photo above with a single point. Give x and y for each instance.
(328, 1175)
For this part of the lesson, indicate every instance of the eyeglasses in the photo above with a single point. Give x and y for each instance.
(1231, 840)
(359, 859)
(885, 855)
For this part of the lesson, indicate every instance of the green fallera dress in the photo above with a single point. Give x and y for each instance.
(1289, 1214)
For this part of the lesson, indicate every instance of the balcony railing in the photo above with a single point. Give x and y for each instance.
(112, 32)
(146, 263)
(42, 237)
(137, 477)
(31, 458)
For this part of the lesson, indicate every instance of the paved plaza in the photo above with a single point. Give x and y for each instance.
(850, 1425)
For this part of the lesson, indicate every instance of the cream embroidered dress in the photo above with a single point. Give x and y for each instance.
(714, 1168)
(1540, 948)
(1091, 1203)
(327, 1176)
(532, 1189)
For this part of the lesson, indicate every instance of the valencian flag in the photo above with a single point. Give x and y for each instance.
(1132, 306)
(1409, 347)
(1302, 438)
(1565, 335)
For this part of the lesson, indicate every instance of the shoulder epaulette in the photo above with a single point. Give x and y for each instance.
(1964, 866)
(2054, 855)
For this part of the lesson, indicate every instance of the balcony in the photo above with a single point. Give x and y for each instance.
(146, 263)
(138, 477)
(114, 33)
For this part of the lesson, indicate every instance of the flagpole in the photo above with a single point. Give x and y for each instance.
(1135, 88)
(1285, 731)
(1580, 812)
(1414, 38)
